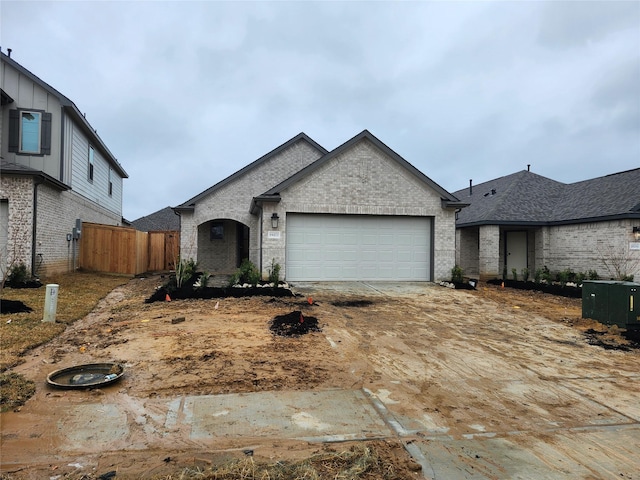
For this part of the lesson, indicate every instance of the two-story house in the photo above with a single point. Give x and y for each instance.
(55, 172)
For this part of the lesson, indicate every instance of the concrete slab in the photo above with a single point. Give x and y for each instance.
(334, 415)
(572, 454)
(96, 424)
(323, 416)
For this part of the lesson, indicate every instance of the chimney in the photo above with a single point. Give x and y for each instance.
(471, 186)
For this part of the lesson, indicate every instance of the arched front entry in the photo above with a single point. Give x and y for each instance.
(222, 245)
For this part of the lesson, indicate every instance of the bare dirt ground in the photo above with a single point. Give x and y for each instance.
(443, 365)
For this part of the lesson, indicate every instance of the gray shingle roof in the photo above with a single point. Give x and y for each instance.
(162, 220)
(527, 198)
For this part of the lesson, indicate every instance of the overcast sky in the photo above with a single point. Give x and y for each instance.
(186, 93)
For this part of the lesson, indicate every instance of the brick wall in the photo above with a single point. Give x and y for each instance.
(580, 247)
(56, 215)
(364, 181)
(360, 181)
(588, 246)
(233, 202)
(19, 193)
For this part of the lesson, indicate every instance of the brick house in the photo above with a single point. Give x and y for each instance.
(529, 221)
(55, 170)
(359, 212)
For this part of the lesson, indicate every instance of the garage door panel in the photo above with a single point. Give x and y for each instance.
(357, 247)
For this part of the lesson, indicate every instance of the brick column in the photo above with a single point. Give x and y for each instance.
(489, 252)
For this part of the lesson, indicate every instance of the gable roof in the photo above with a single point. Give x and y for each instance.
(71, 109)
(527, 198)
(273, 194)
(162, 220)
(301, 137)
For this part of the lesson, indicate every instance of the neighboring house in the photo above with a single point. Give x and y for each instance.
(359, 212)
(528, 221)
(56, 173)
(164, 220)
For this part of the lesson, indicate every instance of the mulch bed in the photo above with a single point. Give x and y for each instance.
(294, 324)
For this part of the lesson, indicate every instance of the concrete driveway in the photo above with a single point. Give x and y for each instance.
(483, 391)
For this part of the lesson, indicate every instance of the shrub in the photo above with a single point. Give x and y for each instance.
(563, 277)
(457, 274)
(546, 274)
(525, 274)
(18, 274)
(627, 278)
(202, 281)
(274, 273)
(580, 276)
(537, 275)
(593, 275)
(185, 269)
(514, 272)
(247, 273)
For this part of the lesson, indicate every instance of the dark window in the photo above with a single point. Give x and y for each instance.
(110, 182)
(91, 155)
(217, 231)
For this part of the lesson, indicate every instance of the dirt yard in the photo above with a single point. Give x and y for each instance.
(439, 365)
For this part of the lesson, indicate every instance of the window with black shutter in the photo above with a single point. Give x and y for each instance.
(30, 132)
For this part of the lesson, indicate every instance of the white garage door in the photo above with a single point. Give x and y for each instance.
(357, 247)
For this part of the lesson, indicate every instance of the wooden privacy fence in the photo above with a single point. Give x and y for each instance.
(106, 248)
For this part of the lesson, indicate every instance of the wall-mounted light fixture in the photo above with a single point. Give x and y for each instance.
(274, 220)
(636, 232)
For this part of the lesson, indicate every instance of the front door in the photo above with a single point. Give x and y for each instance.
(515, 252)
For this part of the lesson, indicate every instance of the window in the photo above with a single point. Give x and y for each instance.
(30, 132)
(110, 181)
(91, 154)
(217, 231)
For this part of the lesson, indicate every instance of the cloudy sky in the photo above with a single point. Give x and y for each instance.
(186, 93)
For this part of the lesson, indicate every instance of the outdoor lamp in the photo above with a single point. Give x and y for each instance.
(274, 220)
(636, 232)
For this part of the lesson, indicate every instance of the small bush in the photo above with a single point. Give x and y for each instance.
(514, 272)
(202, 281)
(537, 276)
(247, 273)
(546, 274)
(185, 269)
(593, 275)
(627, 278)
(274, 273)
(457, 274)
(18, 275)
(525, 274)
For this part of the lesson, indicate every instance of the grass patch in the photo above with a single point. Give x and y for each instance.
(14, 391)
(358, 463)
(78, 294)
